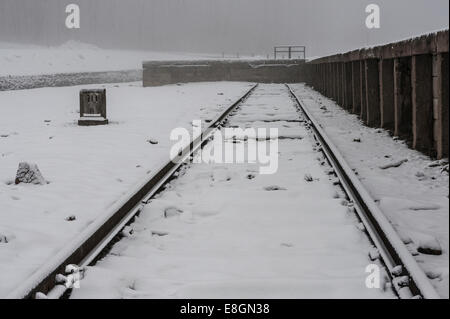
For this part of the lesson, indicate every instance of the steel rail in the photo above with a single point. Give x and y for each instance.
(395, 255)
(88, 245)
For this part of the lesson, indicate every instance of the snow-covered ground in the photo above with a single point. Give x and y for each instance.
(225, 231)
(75, 57)
(88, 168)
(414, 196)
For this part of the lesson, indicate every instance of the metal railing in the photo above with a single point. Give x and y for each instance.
(290, 50)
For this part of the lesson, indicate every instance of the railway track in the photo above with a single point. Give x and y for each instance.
(407, 277)
(408, 280)
(84, 249)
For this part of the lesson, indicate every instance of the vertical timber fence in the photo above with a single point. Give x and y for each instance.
(402, 87)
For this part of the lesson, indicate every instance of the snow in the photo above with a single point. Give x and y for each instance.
(414, 195)
(76, 57)
(88, 168)
(225, 231)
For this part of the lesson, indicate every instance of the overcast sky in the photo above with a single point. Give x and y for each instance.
(215, 26)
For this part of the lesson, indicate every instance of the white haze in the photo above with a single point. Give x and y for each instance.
(216, 26)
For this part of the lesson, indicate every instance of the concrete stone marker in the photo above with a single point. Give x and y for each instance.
(92, 107)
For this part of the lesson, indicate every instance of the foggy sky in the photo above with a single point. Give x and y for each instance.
(216, 26)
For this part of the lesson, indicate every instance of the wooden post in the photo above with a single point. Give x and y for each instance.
(422, 102)
(372, 93)
(342, 86)
(336, 82)
(348, 86)
(387, 93)
(362, 85)
(356, 87)
(402, 98)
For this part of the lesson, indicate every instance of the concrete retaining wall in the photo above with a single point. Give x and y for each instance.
(401, 86)
(263, 71)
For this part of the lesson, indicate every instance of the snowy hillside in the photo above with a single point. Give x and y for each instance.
(17, 59)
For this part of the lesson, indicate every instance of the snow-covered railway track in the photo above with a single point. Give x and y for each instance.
(407, 278)
(225, 229)
(64, 269)
(195, 242)
(316, 238)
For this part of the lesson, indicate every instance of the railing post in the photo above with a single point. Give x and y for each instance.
(402, 97)
(335, 82)
(342, 86)
(362, 86)
(422, 102)
(387, 93)
(348, 86)
(440, 104)
(356, 87)
(372, 93)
